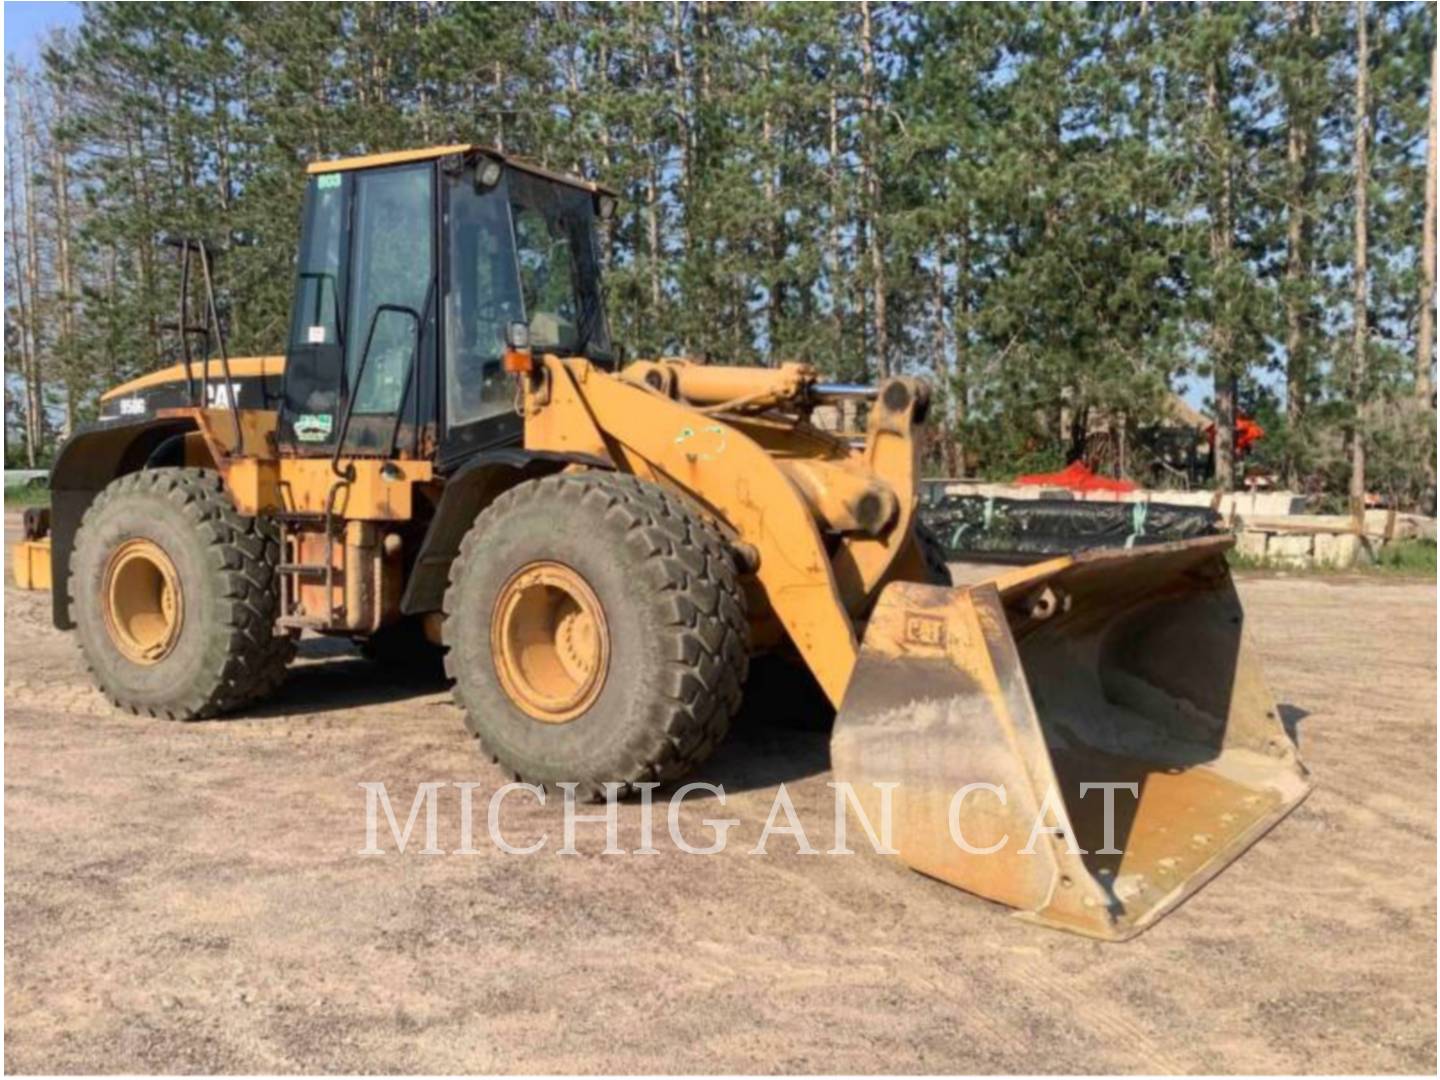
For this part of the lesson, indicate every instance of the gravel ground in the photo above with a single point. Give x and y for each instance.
(189, 898)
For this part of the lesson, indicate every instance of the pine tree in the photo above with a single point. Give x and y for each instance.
(1061, 214)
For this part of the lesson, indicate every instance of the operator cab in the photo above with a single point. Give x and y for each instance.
(412, 268)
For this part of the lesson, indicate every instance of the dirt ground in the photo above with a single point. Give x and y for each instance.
(189, 898)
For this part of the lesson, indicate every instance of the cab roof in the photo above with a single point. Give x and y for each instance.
(370, 161)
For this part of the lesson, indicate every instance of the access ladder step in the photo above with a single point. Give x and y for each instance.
(303, 622)
(302, 568)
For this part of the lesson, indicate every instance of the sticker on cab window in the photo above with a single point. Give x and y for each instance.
(315, 335)
(313, 427)
(326, 181)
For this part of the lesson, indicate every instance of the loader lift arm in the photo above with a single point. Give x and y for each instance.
(709, 457)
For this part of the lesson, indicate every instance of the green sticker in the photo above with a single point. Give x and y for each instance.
(326, 181)
(313, 427)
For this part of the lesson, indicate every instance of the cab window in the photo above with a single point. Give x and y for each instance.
(482, 298)
(390, 279)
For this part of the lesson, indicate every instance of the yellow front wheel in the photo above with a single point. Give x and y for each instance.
(596, 631)
(143, 604)
(550, 642)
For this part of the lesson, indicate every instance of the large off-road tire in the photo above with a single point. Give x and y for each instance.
(175, 596)
(596, 633)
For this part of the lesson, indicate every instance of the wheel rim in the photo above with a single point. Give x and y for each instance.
(144, 607)
(550, 642)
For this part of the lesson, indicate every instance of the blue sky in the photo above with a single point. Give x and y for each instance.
(26, 25)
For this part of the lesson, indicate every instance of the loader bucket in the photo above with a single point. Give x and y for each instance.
(1126, 667)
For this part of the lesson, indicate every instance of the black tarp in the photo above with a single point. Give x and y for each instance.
(1020, 530)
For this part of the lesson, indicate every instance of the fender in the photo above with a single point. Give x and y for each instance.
(478, 483)
(89, 460)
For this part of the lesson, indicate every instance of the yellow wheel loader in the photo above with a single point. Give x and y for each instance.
(451, 451)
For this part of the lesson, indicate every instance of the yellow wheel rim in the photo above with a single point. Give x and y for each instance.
(550, 642)
(144, 607)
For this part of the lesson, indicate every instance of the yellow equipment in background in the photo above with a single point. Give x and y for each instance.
(461, 457)
(31, 556)
(31, 561)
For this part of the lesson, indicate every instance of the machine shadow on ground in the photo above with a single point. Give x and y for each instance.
(780, 735)
(330, 674)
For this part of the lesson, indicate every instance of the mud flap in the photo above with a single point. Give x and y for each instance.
(1009, 713)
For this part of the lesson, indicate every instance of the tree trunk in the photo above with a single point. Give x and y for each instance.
(774, 286)
(1361, 264)
(34, 382)
(832, 227)
(1299, 230)
(1221, 244)
(961, 380)
(498, 83)
(609, 230)
(652, 235)
(23, 300)
(940, 362)
(683, 119)
(871, 173)
(60, 178)
(1425, 337)
(645, 151)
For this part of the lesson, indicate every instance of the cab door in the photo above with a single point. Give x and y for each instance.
(363, 337)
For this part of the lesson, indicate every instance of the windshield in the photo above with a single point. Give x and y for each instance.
(522, 251)
(555, 254)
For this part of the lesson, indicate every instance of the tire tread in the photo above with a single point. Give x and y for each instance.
(244, 551)
(705, 646)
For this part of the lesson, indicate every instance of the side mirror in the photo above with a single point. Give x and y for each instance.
(517, 336)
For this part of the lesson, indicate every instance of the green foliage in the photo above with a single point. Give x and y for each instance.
(1414, 557)
(1037, 193)
(21, 496)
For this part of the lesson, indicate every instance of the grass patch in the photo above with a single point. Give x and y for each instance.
(1401, 558)
(22, 496)
(1413, 557)
(1243, 563)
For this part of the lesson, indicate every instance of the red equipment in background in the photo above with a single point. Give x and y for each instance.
(1247, 434)
(1077, 477)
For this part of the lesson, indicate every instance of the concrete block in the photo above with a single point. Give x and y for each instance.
(1336, 550)
(1251, 543)
(1182, 498)
(1407, 526)
(1274, 502)
(1294, 549)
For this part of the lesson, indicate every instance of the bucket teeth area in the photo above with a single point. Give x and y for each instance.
(1088, 742)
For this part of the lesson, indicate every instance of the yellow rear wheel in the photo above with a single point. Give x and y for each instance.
(174, 596)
